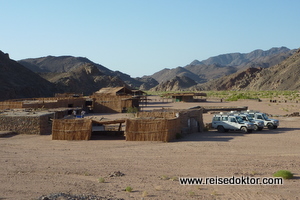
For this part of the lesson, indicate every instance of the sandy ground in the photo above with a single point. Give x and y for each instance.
(32, 166)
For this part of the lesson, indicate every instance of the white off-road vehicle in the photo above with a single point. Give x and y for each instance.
(225, 122)
(270, 123)
(258, 124)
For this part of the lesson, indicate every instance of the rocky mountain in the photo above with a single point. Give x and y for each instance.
(168, 74)
(59, 64)
(236, 81)
(85, 79)
(147, 82)
(226, 64)
(283, 76)
(16, 81)
(64, 64)
(276, 68)
(177, 83)
(241, 59)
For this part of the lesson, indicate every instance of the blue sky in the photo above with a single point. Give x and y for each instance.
(141, 37)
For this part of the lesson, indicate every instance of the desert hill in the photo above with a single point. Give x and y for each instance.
(283, 76)
(85, 79)
(276, 68)
(175, 84)
(226, 64)
(168, 74)
(16, 81)
(240, 59)
(64, 64)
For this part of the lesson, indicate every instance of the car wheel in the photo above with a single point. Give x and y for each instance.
(270, 126)
(244, 129)
(256, 127)
(221, 129)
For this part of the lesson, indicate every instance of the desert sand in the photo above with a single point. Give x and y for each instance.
(34, 165)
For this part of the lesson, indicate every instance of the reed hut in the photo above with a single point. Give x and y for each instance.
(164, 124)
(191, 120)
(71, 129)
(114, 100)
(152, 129)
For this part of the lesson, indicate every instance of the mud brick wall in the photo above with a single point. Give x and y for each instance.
(36, 125)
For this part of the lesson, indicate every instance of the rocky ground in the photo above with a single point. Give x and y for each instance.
(37, 167)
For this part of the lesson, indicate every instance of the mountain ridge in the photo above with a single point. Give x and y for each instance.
(16, 81)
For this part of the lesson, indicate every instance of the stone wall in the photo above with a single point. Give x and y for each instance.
(37, 125)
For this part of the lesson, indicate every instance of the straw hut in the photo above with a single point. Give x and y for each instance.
(163, 125)
(191, 120)
(148, 129)
(71, 129)
(114, 100)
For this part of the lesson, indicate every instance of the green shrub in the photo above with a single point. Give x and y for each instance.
(132, 110)
(128, 189)
(101, 180)
(284, 174)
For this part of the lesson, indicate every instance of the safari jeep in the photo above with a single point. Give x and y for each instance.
(270, 123)
(258, 124)
(226, 122)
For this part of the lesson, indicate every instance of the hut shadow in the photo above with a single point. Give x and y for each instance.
(108, 135)
(8, 134)
(210, 136)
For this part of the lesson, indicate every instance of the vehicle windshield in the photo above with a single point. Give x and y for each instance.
(250, 118)
(239, 119)
(265, 116)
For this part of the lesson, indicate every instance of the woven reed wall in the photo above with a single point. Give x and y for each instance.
(10, 104)
(56, 103)
(51, 102)
(191, 120)
(71, 129)
(111, 103)
(158, 114)
(152, 129)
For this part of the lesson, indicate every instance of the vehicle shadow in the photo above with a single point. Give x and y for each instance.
(275, 131)
(210, 136)
(213, 135)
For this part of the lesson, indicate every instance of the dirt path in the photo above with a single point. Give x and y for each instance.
(32, 166)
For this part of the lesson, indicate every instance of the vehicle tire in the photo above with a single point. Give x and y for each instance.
(221, 129)
(256, 127)
(270, 126)
(244, 129)
(274, 127)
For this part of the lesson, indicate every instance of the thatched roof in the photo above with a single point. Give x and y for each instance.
(114, 91)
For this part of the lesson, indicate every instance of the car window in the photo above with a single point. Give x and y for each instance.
(259, 117)
(217, 119)
(224, 118)
(232, 120)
